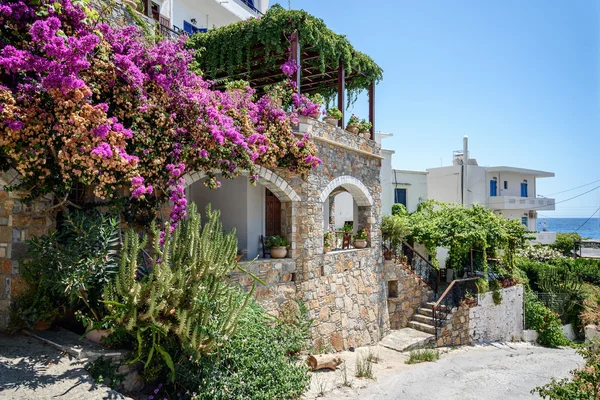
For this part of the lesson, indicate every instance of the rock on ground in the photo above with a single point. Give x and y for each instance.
(30, 370)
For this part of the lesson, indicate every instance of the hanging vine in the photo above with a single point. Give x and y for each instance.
(262, 43)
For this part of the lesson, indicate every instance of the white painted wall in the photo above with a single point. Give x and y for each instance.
(242, 208)
(444, 184)
(209, 13)
(345, 209)
(415, 183)
(387, 190)
(489, 322)
(513, 181)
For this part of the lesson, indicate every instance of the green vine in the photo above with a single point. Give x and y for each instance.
(238, 49)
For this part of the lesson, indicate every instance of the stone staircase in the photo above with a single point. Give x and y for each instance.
(423, 319)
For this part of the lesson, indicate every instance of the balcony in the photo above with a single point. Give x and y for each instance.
(520, 203)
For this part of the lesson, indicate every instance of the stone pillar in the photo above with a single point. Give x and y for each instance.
(332, 213)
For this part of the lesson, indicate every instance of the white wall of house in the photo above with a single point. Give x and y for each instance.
(387, 190)
(444, 184)
(209, 13)
(345, 209)
(415, 183)
(242, 208)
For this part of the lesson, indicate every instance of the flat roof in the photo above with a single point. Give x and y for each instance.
(405, 171)
(539, 174)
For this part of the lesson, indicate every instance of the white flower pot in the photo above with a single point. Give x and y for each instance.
(278, 252)
(360, 244)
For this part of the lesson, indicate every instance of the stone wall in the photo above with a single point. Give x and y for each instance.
(498, 323)
(278, 276)
(345, 308)
(456, 331)
(115, 13)
(406, 292)
(19, 221)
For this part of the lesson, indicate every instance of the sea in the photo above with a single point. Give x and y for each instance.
(587, 230)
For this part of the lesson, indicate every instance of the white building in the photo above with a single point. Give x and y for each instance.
(508, 191)
(191, 16)
(409, 188)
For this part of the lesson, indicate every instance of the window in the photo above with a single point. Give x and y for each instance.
(505, 184)
(400, 196)
(524, 220)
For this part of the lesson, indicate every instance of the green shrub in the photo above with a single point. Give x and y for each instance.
(423, 355)
(69, 267)
(482, 285)
(544, 321)
(185, 298)
(583, 385)
(260, 361)
(566, 242)
(588, 269)
(539, 253)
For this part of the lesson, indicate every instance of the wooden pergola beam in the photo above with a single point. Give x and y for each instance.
(341, 89)
(372, 109)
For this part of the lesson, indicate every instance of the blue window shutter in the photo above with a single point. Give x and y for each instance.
(523, 189)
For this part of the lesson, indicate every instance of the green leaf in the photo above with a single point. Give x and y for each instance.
(167, 359)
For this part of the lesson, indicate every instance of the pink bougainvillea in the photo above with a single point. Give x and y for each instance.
(81, 102)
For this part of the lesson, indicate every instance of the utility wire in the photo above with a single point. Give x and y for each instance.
(578, 187)
(587, 220)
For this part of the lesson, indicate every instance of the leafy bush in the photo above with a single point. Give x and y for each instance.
(587, 269)
(566, 242)
(482, 285)
(583, 385)
(395, 228)
(259, 361)
(69, 267)
(399, 209)
(532, 269)
(544, 321)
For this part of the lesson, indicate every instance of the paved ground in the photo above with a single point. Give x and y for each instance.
(470, 373)
(30, 370)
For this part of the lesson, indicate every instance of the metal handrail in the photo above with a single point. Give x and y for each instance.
(449, 301)
(424, 271)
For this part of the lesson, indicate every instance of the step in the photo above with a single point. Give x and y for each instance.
(430, 305)
(407, 339)
(425, 311)
(422, 327)
(425, 319)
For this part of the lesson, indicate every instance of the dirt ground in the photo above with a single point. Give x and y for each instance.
(30, 369)
(498, 371)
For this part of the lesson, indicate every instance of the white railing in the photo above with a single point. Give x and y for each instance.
(520, 203)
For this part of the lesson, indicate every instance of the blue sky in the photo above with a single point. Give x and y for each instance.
(520, 78)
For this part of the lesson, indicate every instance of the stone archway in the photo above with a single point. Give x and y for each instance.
(287, 196)
(356, 188)
(271, 180)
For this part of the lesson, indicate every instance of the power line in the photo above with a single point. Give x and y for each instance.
(587, 220)
(578, 187)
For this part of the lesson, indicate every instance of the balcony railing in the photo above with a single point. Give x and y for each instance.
(520, 203)
(168, 33)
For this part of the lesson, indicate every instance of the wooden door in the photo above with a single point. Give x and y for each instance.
(272, 214)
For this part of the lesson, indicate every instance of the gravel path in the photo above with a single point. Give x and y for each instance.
(489, 372)
(31, 370)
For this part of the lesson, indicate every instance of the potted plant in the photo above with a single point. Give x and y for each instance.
(278, 245)
(327, 242)
(332, 116)
(470, 300)
(239, 85)
(316, 99)
(363, 128)
(353, 124)
(280, 93)
(360, 239)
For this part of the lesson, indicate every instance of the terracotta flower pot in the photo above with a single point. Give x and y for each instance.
(360, 243)
(388, 255)
(352, 129)
(366, 135)
(331, 120)
(96, 335)
(315, 115)
(278, 252)
(326, 249)
(41, 326)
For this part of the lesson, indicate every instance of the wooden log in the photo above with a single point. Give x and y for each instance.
(324, 361)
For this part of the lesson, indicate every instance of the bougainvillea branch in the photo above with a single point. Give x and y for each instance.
(83, 103)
